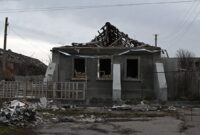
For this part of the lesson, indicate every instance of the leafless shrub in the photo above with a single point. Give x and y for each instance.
(185, 61)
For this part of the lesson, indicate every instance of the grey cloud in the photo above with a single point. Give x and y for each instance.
(67, 26)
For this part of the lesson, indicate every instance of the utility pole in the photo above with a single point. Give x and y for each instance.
(5, 34)
(4, 47)
(156, 40)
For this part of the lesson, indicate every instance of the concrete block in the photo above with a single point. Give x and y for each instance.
(116, 94)
(160, 82)
(50, 72)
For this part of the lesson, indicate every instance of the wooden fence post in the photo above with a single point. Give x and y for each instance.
(24, 91)
(3, 94)
(84, 90)
(54, 90)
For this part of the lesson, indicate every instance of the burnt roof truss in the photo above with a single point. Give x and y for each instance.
(110, 36)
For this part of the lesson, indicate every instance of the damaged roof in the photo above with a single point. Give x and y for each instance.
(110, 37)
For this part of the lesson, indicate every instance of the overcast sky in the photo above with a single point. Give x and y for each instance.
(34, 32)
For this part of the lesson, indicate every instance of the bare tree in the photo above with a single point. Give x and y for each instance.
(185, 61)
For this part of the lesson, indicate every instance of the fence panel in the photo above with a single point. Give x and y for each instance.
(184, 84)
(34, 90)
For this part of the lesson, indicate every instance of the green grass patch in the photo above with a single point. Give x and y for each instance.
(10, 130)
(14, 130)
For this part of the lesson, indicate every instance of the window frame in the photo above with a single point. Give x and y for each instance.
(73, 62)
(125, 72)
(98, 68)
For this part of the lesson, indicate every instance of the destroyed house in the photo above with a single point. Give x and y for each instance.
(112, 65)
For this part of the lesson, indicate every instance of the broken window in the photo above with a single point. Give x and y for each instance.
(104, 68)
(197, 64)
(79, 68)
(132, 68)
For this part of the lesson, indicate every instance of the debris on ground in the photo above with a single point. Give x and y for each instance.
(122, 107)
(143, 106)
(139, 107)
(43, 102)
(90, 118)
(55, 107)
(172, 108)
(17, 113)
(16, 103)
(23, 113)
(81, 118)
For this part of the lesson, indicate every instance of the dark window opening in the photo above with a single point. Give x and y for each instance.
(197, 64)
(79, 68)
(132, 68)
(105, 68)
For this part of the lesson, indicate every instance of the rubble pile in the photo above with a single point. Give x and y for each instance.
(17, 113)
(143, 107)
(81, 118)
(26, 114)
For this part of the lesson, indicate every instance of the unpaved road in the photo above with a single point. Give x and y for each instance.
(192, 121)
(154, 126)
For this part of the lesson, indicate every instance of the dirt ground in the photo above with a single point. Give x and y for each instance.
(152, 126)
(191, 119)
(100, 121)
(187, 124)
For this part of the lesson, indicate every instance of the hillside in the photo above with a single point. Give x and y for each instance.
(18, 64)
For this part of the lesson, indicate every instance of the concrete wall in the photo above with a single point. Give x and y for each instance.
(131, 89)
(170, 66)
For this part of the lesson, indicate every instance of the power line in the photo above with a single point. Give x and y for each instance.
(189, 26)
(183, 21)
(92, 6)
(183, 25)
(24, 39)
(38, 32)
(8, 0)
(177, 36)
(29, 43)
